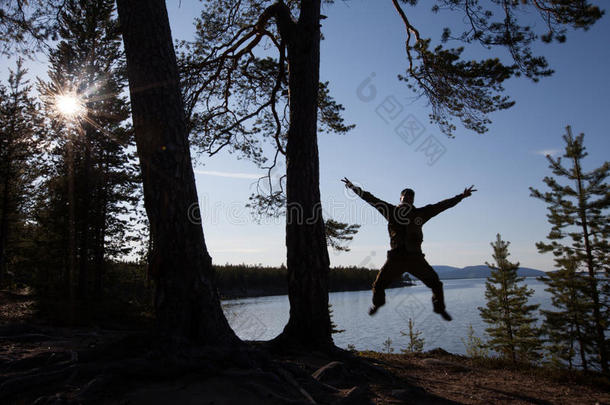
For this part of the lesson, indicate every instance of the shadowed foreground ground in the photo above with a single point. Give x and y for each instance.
(48, 364)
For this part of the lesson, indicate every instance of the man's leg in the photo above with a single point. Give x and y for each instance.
(420, 268)
(390, 271)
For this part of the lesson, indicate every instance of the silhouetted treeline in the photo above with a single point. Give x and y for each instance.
(70, 187)
(128, 291)
(251, 281)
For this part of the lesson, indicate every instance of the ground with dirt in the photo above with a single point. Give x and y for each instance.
(16, 306)
(467, 381)
(44, 363)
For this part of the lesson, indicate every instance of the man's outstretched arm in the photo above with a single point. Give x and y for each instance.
(432, 210)
(383, 207)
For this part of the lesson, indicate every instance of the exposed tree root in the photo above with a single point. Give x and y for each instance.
(134, 366)
(295, 384)
(22, 383)
(90, 373)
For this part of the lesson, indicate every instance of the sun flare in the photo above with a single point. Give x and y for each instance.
(69, 105)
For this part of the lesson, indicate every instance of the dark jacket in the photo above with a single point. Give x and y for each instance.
(405, 221)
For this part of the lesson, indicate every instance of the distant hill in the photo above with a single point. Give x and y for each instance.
(480, 271)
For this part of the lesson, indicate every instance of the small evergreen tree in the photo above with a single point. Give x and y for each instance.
(475, 347)
(416, 342)
(578, 214)
(511, 323)
(387, 345)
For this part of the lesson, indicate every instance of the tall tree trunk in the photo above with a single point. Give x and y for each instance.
(4, 228)
(186, 300)
(84, 192)
(582, 348)
(507, 321)
(100, 238)
(308, 262)
(577, 322)
(599, 327)
(98, 262)
(71, 230)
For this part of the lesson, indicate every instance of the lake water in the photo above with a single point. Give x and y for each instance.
(263, 318)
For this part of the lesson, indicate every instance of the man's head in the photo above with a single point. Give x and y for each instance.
(407, 196)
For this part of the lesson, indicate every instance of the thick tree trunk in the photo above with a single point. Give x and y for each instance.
(98, 263)
(308, 262)
(100, 238)
(186, 301)
(71, 274)
(84, 192)
(4, 230)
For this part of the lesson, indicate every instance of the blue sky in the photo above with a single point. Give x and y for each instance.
(364, 38)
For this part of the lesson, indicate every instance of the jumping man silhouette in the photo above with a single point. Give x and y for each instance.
(405, 223)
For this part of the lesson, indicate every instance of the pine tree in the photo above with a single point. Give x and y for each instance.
(567, 328)
(19, 143)
(512, 329)
(416, 342)
(187, 305)
(475, 347)
(339, 234)
(387, 345)
(92, 167)
(25, 25)
(334, 328)
(580, 229)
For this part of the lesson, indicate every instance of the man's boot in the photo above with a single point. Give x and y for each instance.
(378, 300)
(438, 302)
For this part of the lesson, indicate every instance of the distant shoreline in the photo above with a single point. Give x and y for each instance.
(247, 281)
(476, 278)
(253, 293)
(234, 295)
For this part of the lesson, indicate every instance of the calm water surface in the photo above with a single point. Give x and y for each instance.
(263, 318)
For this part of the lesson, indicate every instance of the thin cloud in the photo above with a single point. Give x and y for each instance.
(233, 175)
(544, 152)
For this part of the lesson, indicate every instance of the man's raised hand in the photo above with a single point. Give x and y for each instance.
(468, 191)
(348, 183)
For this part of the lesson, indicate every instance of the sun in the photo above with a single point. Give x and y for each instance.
(69, 105)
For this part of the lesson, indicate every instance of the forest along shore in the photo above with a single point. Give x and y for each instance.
(241, 281)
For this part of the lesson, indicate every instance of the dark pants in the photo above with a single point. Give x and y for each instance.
(414, 263)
